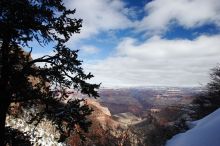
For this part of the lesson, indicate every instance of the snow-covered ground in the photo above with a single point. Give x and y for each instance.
(45, 134)
(204, 132)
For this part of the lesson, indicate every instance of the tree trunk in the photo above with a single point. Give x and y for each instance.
(4, 87)
(4, 104)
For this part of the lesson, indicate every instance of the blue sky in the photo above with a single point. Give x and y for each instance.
(129, 43)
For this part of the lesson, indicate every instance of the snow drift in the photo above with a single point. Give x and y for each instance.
(204, 132)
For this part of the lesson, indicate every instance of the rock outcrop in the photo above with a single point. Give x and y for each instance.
(101, 115)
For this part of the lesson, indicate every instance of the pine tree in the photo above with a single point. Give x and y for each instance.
(209, 100)
(44, 21)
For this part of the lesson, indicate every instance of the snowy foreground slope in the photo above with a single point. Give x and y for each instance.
(205, 132)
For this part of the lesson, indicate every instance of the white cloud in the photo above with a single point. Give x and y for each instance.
(89, 50)
(107, 15)
(159, 62)
(156, 61)
(187, 13)
(99, 15)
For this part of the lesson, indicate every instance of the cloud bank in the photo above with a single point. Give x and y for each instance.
(159, 61)
(156, 60)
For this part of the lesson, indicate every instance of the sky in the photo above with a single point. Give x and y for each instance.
(139, 43)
